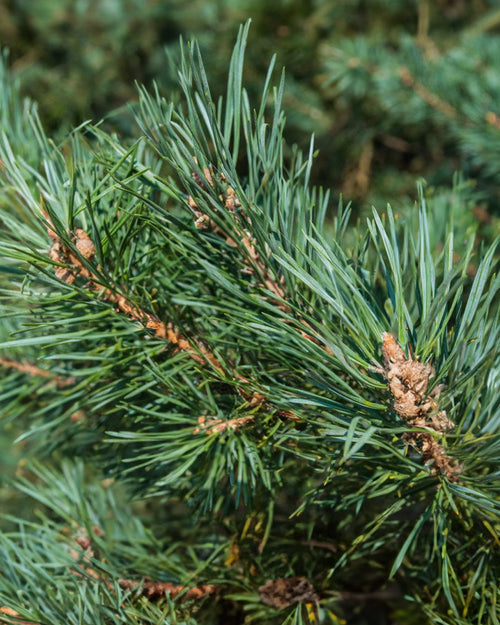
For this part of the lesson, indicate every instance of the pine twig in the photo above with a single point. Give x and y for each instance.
(15, 619)
(156, 590)
(432, 99)
(257, 267)
(74, 268)
(212, 425)
(33, 370)
(243, 224)
(83, 552)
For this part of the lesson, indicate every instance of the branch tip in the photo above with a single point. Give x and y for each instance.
(408, 381)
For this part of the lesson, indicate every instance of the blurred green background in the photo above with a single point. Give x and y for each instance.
(393, 90)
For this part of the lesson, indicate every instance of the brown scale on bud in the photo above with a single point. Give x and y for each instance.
(208, 173)
(231, 201)
(229, 198)
(83, 552)
(83, 244)
(408, 381)
(60, 253)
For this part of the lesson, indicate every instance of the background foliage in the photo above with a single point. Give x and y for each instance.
(393, 90)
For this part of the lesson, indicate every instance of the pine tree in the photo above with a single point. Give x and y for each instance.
(232, 408)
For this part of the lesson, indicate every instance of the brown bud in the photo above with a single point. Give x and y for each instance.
(84, 244)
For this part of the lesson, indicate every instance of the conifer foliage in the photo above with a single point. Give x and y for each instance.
(232, 410)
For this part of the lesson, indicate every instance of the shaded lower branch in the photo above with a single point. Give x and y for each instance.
(156, 590)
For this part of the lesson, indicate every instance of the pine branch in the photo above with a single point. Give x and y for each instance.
(33, 370)
(157, 590)
(75, 265)
(84, 553)
(430, 98)
(6, 612)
